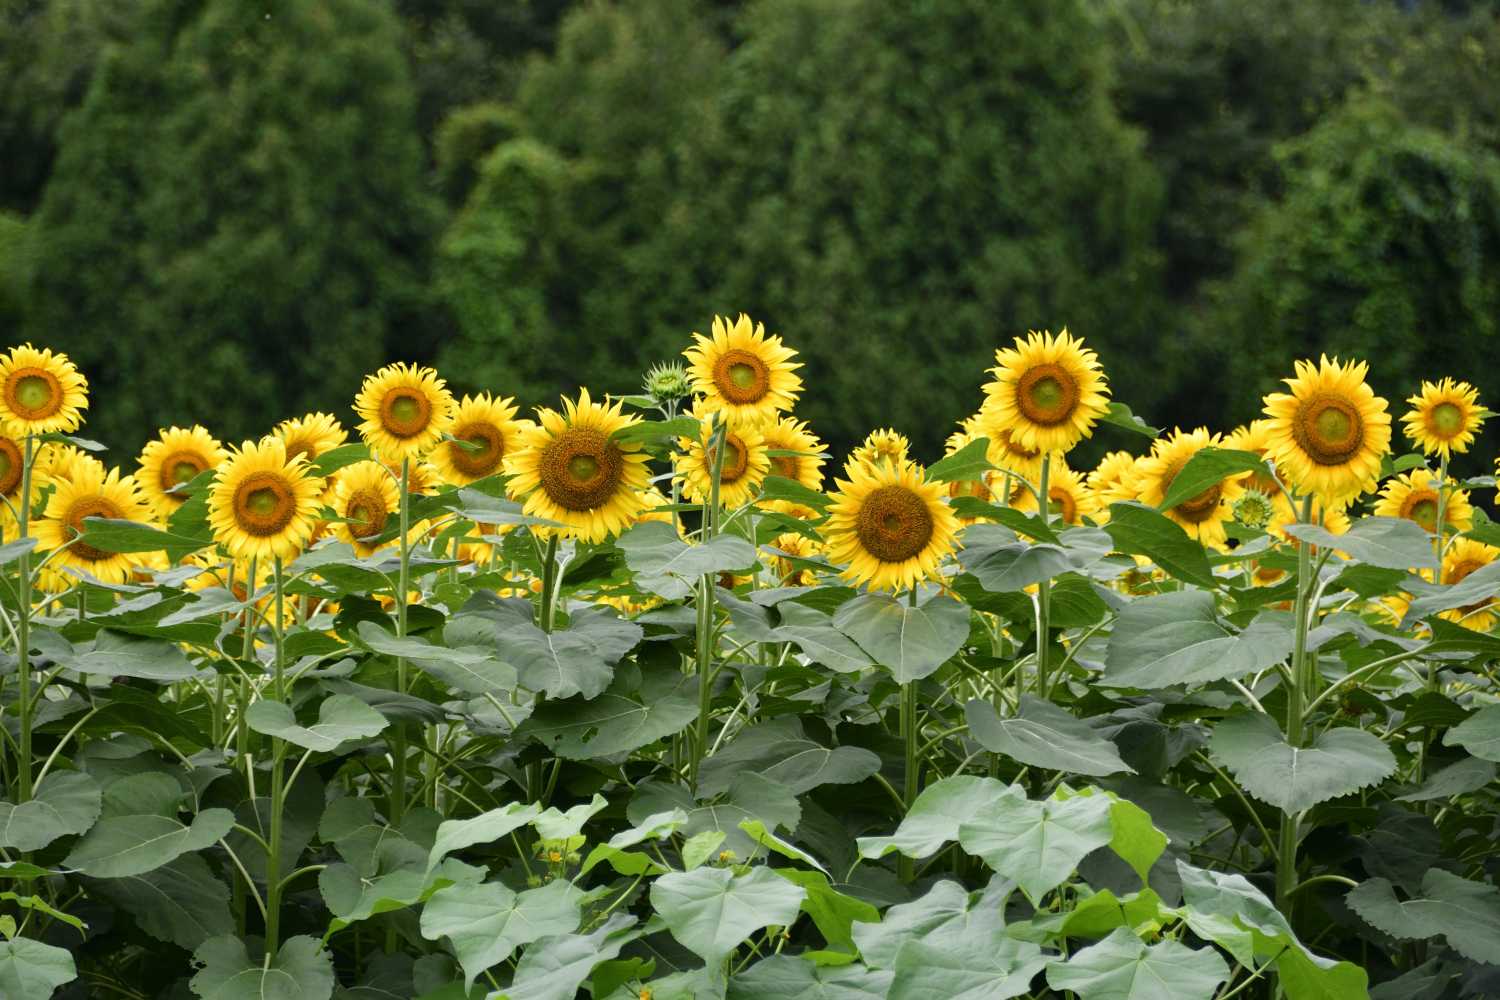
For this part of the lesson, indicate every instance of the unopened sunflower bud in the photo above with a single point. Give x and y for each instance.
(1253, 509)
(667, 383)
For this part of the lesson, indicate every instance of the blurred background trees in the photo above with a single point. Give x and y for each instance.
(229, 211)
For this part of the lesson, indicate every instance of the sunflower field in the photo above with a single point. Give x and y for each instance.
(644, 698)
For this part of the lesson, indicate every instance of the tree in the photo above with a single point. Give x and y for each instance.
(235, 227)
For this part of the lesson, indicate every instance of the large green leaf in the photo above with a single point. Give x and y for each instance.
(33, 970)
(812, 631)
(911, 642)
(1206, 469)
(1466, 913)
(1139, 530)
(711, 910)
(968, 463)
(1459, 778)
(947, 910)
(342, 718)
(472, 671)
(553, 968)
(781, 750)
(486, 923)
(666, 565)
(1387, 542)
(486, 828)
(1479, 734)
(115, 654)
(1178, 638)
(1123, 967)
(1002, 563)
(66, 803)
(935, 817)
(1043, 735)
(1120, 415)
(783, 977)
(301, 970)
(640, 707)
(182, 901)
(1339, 762)
(577, 659)
(969, 962)
(1038, 844)
(120, 535)
(553, 823)
(121, 846)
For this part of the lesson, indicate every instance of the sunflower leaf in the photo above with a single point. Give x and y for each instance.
(1206, 469)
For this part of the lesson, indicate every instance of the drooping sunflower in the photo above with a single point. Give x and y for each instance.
(1255, 437)
(1070, 499)
(1414, 496)
(484, 430)
(880, 447)
(743, 372)
(790, 544)
(889, 527)
(1005, 450)
(405, 410)
(1112, 480)
(177, 457)
(1202, 516)
(1328, 434)
(1444, 417)
(311, 436)
(1463, 557)
(1048, 391)
(789, 434)
(40, 391)
(92, 493)
(743, 469)
(262, 504)
(569, 470)
(366, 497)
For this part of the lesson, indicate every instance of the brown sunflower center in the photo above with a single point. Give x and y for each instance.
(1328, 429)
(784, 465)
(1047, 394)
(33, 393)
(300, 448)
(1446, 420)
(405, 412)
(93, 506)
(10, 466)
(1421, 506)
(1195, 509)
(741, 377)
(1014, 448)
(968, 488)
(486, 449)
(1063, 503)
(894, 524)
(264, 504)
(181, 468)
(736, 459)
(1455, 573)
(367, 513)
(581, 469)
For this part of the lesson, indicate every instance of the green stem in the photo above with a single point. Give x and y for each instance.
(23, 651)
(1044, 588)
(546, 611)
(398, 735)
(278, 788)
(1286, 854)
(909, 735)
(705, 624)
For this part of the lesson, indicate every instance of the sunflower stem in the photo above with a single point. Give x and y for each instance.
(1044, 588)
(1439, 545)
(705, 623)
(398, 735)
(546, 606)
(905, 865)
(23, 632)
(1286, 854)
(278, 785)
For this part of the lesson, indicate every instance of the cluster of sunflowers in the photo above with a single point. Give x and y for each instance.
(581, 473)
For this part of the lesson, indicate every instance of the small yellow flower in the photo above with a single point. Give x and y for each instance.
(880, 447)
(1329, 433)
(93, 493)
(262, 504)
(311, 436)
(741, 371)
(741, 471)
(1414, 496)
(1048, 391)
(484, 431)
(1444, 417)
(40, 391)
(177, 457)
(1202, 516)
(405, 410)
(889, 526)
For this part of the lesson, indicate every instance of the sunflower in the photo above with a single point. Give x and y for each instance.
(569, 470)
(405, 410)
(1112, 481)
(654, 502)
(791, 435)
(979, 489)
(12, 468)
(366, 497)
(1255, 437)
(1069, 498)
(1048, 391)
(742, 372)
(1463, 557)
(1202, 516)
(311, 436)
(1444, 417)
(484, 430)
(40, 392)
(1414, 496)
(741, 472)
(881, 447)
(1328, 434)
(889, 526)
(93, 493)
(1005, 451)
(177, 457)
(1334, 518)
(63, 461)
(262, 504)
(790, 544)
(791, 508)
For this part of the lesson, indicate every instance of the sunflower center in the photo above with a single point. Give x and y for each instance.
(1421, 506)
(487, 448)
(405, 413)
(264, 504)
(1447, 419)
(366, 512)
(95, 506)
(180, 469)
(968, 488)
(581, 469)
(1015, 448)
(33, 393)
(1461, 569)
(1194, 509)
(784, 465)
(736, 459)
(10, 466)
(741, 377)
(1063, 503)
(1047, 394)
(894, 524)
(299, 448)
(1329, 429)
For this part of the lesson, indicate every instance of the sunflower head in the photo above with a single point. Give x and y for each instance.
(741, 471)
(484, 430)
(787, 547)
(1068, 497)
(1113, 479)
(40, 391)
(889, 526)
(1202, 516)
(262, 504)
(1048, 391)
(1444, 417)
(1329, 433)
(880, 447)
(177, 457)
(803, 454)
(1415, 496)
(571, 469)
(311, 436)
(404, 411)
(91, 493)
(743, 372)
(365, 496)
(12, 465)
(1253, 509)
(1463, 557)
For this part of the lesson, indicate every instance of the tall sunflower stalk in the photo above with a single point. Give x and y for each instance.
(706, 639)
